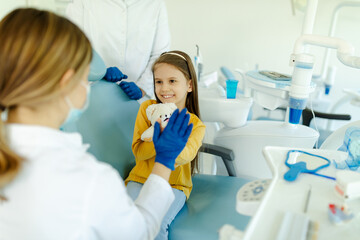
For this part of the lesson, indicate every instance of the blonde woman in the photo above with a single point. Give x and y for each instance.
(50, 187)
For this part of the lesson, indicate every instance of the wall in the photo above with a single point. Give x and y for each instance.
(6, 6)
(53, 5)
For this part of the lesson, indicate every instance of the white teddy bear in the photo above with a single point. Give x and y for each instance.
(154, 112)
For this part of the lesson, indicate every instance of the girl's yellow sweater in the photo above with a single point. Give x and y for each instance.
(144, 152)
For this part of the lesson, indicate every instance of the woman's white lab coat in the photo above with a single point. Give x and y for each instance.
(63, 192)
(128, 34)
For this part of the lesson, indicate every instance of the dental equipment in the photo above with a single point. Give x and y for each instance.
(219, 109)
(271, 93)
(347, 184)
(326, 80)
(267, 92)
(301, 161)
(248, 141)
(230, 76)
(300, 85)
(249, 196)
(297, 226)
(338, 214)
(283, 196)
(307, 200)
(198, 63)
(352, 96)
(242, 74)
(276, 76)
(351, 145)
(255, 135)
(227, 73)
(309, 19)
(328, 73)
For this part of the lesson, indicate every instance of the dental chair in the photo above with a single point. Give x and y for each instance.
(336, 139)
(107, 125)
(307, 117)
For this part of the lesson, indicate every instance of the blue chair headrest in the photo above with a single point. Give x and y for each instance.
(227, 73)
(97, 67)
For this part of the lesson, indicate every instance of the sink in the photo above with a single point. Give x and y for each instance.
(232, 112)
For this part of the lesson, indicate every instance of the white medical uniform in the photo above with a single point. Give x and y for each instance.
(128, 34)
(63, 192)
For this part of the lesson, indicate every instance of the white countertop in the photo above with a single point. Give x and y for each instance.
(283, 196)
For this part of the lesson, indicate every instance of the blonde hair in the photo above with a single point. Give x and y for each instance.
(36, 49)
(183, 63)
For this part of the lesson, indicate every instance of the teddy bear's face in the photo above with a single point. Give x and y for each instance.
(165, 117)
(162, 111)
(153, 113)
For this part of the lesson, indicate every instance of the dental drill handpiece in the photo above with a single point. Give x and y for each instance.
(198, 62)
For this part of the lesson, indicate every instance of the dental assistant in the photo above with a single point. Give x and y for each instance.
(129, 35)
(50, 186)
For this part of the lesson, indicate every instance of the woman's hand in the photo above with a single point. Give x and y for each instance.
(170, 141)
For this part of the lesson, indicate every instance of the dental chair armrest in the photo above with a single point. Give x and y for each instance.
(307, 116)
(225, 154)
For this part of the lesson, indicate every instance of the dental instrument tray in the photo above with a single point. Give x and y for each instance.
(276, 76)
(266, 80)
(265, 91)
(269, 89)
(284, 197)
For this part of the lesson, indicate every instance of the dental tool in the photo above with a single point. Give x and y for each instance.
(348, 184)
(198, 62)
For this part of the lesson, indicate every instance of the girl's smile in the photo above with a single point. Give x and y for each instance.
(167, 96)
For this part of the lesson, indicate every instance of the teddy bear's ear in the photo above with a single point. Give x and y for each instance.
(150, 110)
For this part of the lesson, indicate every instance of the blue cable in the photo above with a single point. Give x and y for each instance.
(325, 176)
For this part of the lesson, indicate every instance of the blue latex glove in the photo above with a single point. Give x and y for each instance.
(131, 89)
(169, 143)
(113, 74)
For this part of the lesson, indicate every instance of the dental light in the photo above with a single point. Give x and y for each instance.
(328, 73)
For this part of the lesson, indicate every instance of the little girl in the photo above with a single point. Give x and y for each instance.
(175, 82)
